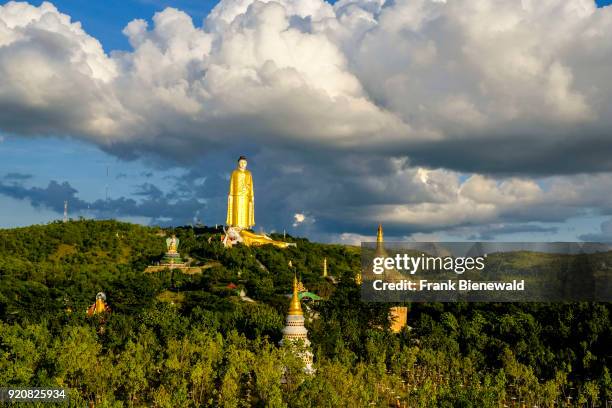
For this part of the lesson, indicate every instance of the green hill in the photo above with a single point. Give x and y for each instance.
(175, 339)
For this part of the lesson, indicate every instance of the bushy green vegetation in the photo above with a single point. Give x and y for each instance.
(175, 340)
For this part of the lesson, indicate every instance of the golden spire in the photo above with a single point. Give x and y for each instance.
(358, 278)
(325, 267)
(295, 308)
(380, 246)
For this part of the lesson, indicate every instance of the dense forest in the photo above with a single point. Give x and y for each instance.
(174, 339)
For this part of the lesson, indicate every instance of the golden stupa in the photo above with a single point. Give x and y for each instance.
(241, 211)
(295, 332)
(295, 307)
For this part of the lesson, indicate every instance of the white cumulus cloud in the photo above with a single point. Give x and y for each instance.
(407, 74)
(302, 219)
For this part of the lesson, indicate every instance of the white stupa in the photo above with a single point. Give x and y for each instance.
(294, 331)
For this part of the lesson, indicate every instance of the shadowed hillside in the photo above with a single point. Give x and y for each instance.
(175, 339)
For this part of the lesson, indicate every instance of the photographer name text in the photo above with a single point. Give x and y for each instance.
(462, 285)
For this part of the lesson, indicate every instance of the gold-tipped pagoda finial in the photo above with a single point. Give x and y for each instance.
(380, 245)
(325, 267)
(358, 279)
(295, 308)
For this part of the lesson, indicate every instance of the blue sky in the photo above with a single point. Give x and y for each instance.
(184, 166)
(106, 19)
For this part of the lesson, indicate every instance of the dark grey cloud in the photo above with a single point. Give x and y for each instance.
(51, 197)
(17, 176)
(149, 191)
(490, 233)
(522, 155)
(159, 208)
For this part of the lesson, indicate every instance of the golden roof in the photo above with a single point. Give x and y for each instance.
(301, 287)
(379, 234)
(295, 308)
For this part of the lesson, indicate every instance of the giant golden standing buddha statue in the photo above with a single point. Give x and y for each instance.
(241, 198)
(241, 211)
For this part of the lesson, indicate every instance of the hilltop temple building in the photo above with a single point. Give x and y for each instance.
(294, 332)
(99, 306)
(172, 258)
(241, 211)
(398, 315)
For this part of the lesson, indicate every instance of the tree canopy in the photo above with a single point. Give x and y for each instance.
(175, 339)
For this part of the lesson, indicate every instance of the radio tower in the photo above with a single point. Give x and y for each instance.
(65, 211)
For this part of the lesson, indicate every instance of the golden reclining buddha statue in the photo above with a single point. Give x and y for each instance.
(241, 211)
